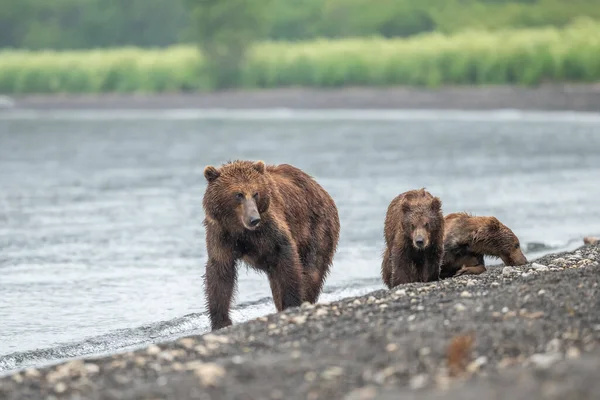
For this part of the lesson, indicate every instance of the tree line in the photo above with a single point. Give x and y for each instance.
(82, 24)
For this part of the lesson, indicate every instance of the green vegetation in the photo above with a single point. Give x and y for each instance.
(84, 24)
(527, 56)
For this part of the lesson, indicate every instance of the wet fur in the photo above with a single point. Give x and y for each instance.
(402, 261)
(294, 243)
(468, 238)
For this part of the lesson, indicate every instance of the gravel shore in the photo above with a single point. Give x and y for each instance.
(571, 97)
(530, 332)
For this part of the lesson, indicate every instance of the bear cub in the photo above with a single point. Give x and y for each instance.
(468, 238)
(414, 232)
(275, 218)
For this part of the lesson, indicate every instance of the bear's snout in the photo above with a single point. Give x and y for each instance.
(254, 221)
(420, 240)
(251, 216)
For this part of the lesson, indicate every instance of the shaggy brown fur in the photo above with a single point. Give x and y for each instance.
(467, 239)
(413, 230)
(276, 219)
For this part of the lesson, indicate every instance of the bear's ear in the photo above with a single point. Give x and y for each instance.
(211, 173)
(405, 207)
(494, 224)
(259, 166)
(436, 204)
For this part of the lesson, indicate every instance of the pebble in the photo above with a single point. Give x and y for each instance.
(475, 365)
(310, 376)
(299, 319)
(215, 338)
(391, 347)
(544, 361)
(541, 292)
(237, 360)
(460, 307)
(419, 381)
(495, 284)
(371, 300)
(188, 343)
(401, 292)
(383, 306)
(539, 267)
(32, 373)
(411, 318)
(321, 312)
(471, 282)
(553, 346)
(91, 368)
(505, 310)
(356, 302)
(272, 326)
(573, 352)
(209, 373)
(153, 350)
(466, 294)
(332, 373)
(60, 387)
(508, 270)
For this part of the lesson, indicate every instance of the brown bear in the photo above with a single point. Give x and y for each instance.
(275, 218)
(468, 238)
(414, 232)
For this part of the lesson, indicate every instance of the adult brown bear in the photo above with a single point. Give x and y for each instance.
(275, 218)
(413, 230)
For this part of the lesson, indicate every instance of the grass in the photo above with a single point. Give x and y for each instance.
(526, 57)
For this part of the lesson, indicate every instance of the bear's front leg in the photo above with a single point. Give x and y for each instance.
(286, 278)
(219, 280)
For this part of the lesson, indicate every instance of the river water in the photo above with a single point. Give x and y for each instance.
(101, 238)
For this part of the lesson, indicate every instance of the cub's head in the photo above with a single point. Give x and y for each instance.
(422, 219)
(237, 195)
(496, 239)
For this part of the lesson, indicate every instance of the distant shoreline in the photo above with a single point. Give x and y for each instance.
(550, 97)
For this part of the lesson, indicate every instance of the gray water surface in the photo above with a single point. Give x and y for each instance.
(101, 237)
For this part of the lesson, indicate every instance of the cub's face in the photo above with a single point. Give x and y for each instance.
(496, 239)
(421, 220)
(237, 195)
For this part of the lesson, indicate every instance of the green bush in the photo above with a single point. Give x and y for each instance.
(526, 57)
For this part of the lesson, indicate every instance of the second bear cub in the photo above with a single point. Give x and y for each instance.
(414, 234)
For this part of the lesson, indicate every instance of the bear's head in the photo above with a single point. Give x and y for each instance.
(422, 218)
(238, 194)
(496, 239)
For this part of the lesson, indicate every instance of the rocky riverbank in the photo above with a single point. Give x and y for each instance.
(530, 332)
(569, 97)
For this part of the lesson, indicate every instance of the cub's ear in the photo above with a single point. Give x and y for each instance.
(259, 166)
(405, 207)
(436, 204)
(211, 173)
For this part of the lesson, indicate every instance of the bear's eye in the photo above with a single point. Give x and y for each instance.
(517, 246)
(426, 224)
(239, 196)
(255, 195)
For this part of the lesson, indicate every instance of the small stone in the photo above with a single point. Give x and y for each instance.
(460, 307)
(526, 275)
(371, 300)
(356, 302)
(310, 376)
(573, 352)
(383, 306)
(307, 305)
(332, 373)
(161, 381)
(299, 319)
(165, 355)
(411, 318)
(508, 270)
(32, 373)
(262, 319)
(471, 282)
(541, 292)
(321, 312)
(560, 261)
(539, 267)
(60, 387)
(188, 343)
(237, 360)
(391, 347)
(424, 352)
(295, 354)
(553, 346)
(419, 381)
(505, 310)
(91, 368)
(401, 292)
(17, 378)
(272, 326)
(202, 350)
(153, 350)
(544, 361)
(215, 338)
(475, 365)
(209, 373)
(466, 294)
(495, 284)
